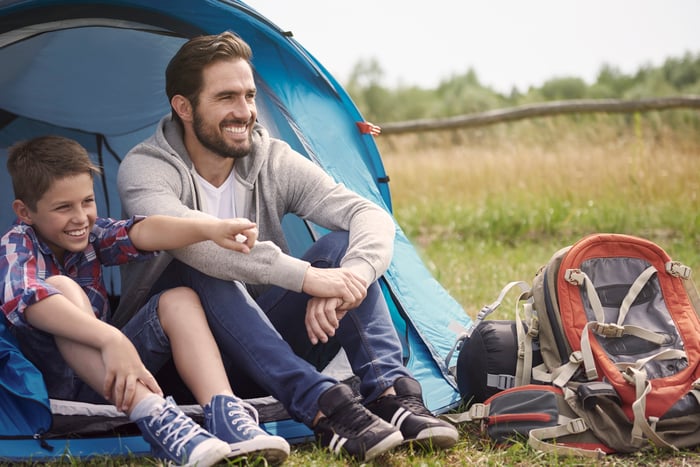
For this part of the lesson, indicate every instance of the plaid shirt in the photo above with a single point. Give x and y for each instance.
(26, 261)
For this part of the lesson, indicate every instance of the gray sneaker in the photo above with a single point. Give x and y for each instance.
(177, 439)
(236, 422)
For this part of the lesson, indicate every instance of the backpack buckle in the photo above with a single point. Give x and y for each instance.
(478, 412)
(628, 376)
(534, 329)
(506, 381)
(631, 375)
(608, 329)
(577, 425)
(574, 277)
(677, 269)
(576, 357)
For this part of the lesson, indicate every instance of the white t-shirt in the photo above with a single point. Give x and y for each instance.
(219, 201)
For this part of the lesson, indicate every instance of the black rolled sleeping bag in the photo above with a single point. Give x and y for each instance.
(488, 359)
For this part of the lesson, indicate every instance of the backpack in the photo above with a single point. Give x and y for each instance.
(615, 322)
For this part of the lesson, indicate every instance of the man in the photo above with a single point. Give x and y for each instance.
(267, 308)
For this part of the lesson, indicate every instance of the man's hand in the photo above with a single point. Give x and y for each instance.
(236, 234)
(323, 318)
(338, 283)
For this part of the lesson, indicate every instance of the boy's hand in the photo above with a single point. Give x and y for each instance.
(236, 234)
(123, 371)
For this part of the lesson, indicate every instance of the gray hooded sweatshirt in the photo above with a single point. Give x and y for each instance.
(157, 177)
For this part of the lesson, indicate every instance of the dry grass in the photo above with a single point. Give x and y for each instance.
(488, 206)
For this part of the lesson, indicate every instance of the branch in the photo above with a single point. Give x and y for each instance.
(541, 110)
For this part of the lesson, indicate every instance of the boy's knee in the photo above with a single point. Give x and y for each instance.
(63, 283)
(177, 300)
(72, 291)
(178, 295)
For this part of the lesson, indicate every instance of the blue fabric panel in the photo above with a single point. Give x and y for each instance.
(102, 89)
(24, 404)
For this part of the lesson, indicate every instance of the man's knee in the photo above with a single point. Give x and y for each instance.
(331, 247)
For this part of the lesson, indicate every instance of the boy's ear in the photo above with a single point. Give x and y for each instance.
(22, 211)
(182, 107)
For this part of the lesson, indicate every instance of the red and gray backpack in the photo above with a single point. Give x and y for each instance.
(608, 338)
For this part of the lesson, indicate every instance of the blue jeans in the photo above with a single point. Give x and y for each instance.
(266, 339)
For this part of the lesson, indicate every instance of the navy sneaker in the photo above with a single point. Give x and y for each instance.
(347, 426)
(177, 439)
(236, 422)
(406, 411)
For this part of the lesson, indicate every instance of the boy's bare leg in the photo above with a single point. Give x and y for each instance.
(173, 436)
(198, 362)
(87, 361)
(195, 352)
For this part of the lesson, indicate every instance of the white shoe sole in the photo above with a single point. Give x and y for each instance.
(388, 443)
(208, 453)
(274, 449)
(439, 436)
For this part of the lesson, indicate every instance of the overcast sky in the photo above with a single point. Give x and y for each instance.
(507, 42)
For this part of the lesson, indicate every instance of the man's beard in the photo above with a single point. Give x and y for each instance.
(215, 141)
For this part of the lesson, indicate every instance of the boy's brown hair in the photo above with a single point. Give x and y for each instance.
(36, 163)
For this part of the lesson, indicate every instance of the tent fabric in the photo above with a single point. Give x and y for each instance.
(24, 403)
(94, 71)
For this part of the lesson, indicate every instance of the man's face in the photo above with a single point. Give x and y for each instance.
(225, 114)
(65, 215)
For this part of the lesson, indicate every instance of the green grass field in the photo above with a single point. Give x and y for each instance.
(485, 207)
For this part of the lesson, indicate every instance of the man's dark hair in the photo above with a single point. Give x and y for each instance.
(184, 73)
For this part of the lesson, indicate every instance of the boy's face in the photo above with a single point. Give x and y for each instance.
(65, 215)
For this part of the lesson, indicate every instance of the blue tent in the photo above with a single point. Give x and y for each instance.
(94, 71)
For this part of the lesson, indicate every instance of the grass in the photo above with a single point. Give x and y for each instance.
(489, 206)
(485, 207)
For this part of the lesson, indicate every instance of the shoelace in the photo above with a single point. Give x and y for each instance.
(414, 404)
(180, 427)
(354, 415)
(247, 419)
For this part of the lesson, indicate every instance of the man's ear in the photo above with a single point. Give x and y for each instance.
(22, 211)
(181, 105)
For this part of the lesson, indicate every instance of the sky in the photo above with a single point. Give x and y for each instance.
(508, 43)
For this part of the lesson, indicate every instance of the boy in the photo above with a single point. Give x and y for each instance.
(55, 300)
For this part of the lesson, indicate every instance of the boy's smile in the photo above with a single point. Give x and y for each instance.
(65, 215)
